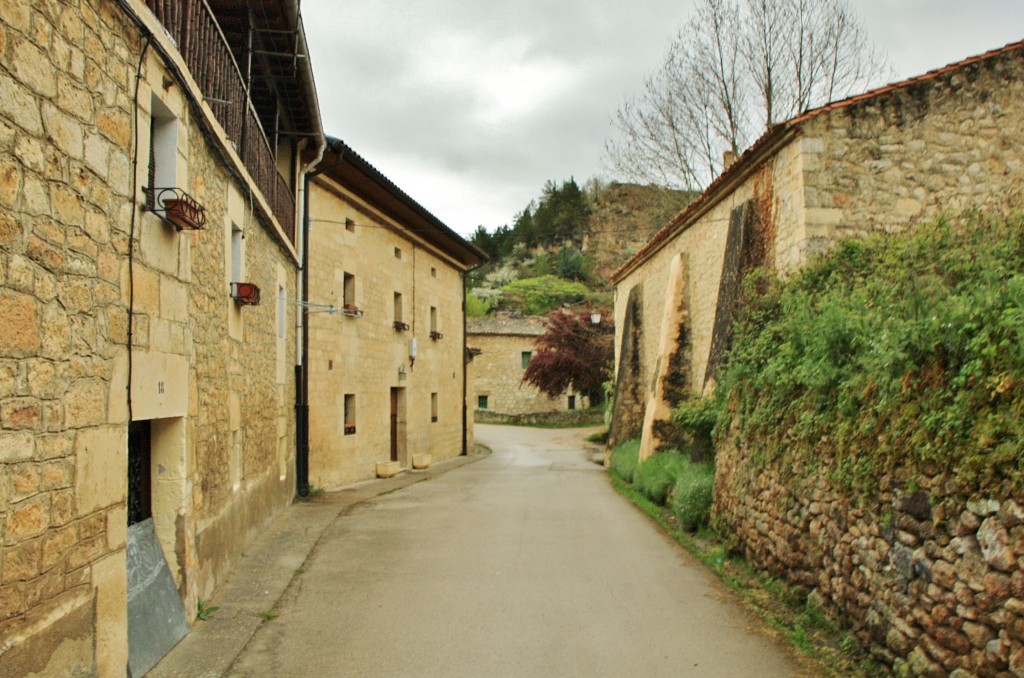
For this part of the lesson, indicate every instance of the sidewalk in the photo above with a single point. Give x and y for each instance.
(265, 570)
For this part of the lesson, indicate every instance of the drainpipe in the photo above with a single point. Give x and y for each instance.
(301, 372)
(302, 369)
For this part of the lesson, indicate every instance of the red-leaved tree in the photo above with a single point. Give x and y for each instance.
(573, 353)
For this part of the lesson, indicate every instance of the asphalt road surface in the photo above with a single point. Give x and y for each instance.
(526, 563)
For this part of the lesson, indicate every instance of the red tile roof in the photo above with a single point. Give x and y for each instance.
(776, 136)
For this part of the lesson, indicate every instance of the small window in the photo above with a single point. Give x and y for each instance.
(398, 253)
(433, 272)
(526, 358)
(433, 407)
(398, 307)
(433, 319)
(282, 311)
(236, 253)
(163, 150)
(572, 402)
(350, 226)
(350, 413)
(349, 293)
(481, 402)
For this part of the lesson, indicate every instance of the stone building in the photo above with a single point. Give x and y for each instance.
(387, 355)
(148, 272)
(505, 347)
(924, 570)
(945, 141)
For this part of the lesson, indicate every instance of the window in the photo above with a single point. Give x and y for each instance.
(350, 413)
(398, 253)
(433, 407)
(572, 402)
(349, 292)
(400, 325)
(237, 241)
(481, 402)
(282, 311)
(433, 272)
(526, 358)
(163, 150)
(435, 334)
(350, 226)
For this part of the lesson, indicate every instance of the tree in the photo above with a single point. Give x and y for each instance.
(735, 69)
(572, 353)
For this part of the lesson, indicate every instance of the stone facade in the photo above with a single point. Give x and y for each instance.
(946, 141)
(505, 346)
(386, 326)
(114, 322)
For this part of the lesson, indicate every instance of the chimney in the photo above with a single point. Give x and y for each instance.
(728, 158)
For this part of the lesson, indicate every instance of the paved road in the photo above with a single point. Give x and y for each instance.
(526, 563)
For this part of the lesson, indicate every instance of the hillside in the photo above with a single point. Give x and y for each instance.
(562, 247)
(623, 219)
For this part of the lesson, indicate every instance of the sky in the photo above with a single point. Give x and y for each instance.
(470, 106)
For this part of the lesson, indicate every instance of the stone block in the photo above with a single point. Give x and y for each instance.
(21, 413)
(19, 332)
(21, 562)
(16, 446)
(422, 461)
(66, 133)
(97, 451)
(27, 519)
(85, 403)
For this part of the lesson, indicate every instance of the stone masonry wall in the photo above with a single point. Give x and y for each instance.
(930, 577)
(67, 117)
(945, 144)
(66, 76)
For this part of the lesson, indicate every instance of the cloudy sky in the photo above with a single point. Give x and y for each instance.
(470, 106)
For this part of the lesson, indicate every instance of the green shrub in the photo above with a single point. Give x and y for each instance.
(698, 417)
(624, 460)
(656, 475)
(692, 495)
(476, 307)
(536, 296)
(902, 349)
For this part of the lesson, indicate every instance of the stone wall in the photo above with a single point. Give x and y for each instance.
(929, 576)
(66, 76)
(366, 356)
(499, 374)
(943, 144)
(83, 272)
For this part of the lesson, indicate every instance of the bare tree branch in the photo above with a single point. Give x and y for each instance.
(736, 68)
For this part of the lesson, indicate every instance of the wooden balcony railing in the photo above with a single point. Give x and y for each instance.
(194, 29)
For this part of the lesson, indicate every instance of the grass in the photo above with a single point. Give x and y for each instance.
(267, 615)
(788, 610)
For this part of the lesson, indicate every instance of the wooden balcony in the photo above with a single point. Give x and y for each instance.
(194, 28)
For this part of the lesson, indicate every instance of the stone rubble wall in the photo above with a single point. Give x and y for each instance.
(931, 578)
